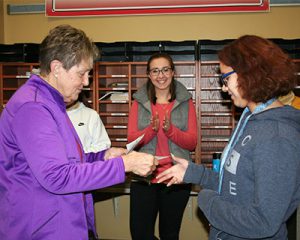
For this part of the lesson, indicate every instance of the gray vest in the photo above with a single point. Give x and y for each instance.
(179, 117)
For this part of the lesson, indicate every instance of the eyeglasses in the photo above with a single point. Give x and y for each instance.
(165, 71)
(224, 78)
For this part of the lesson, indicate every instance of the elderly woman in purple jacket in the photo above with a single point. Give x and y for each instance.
(45, 176)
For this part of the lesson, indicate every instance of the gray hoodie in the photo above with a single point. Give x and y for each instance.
(261, 183)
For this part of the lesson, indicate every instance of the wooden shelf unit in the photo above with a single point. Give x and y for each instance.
(113, 113)
(297, 90)
(13, 76)
(216, 114)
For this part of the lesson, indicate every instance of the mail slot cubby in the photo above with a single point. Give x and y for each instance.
(13, 76)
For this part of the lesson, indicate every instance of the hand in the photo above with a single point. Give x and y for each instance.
(114, 152)
(142, 164)
(155, 122)
(166, 122)
(175, 173)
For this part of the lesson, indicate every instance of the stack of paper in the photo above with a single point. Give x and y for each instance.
(119, 96)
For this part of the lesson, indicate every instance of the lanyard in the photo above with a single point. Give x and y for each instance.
(238, 131)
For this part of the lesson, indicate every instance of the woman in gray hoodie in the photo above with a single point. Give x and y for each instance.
(258, 187)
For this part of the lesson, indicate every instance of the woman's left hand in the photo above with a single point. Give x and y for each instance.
(114, 152)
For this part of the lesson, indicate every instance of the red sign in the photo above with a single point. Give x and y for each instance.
(151, 7)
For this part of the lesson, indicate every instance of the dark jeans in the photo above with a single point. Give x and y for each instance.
(146, 201)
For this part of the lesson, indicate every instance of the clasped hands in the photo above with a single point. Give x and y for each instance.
(156, 123)
(144, 164)
(139, 163)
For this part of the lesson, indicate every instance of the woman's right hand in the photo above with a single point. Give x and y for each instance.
(155, 122)
(175, 173)
(142, 164)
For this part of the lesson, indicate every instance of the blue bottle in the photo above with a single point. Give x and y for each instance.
(216, 162)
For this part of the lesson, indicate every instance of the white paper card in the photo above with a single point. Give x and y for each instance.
(131, 146)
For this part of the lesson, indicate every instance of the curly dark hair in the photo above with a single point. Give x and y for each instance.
(264, 70)
(150, 86)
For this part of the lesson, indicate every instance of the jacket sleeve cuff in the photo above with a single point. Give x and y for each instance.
(193, 173)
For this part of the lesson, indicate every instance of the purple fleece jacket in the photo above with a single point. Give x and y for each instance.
(43, 180)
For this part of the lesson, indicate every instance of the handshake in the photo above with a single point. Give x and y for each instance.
(139, 163)
(144, 164)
